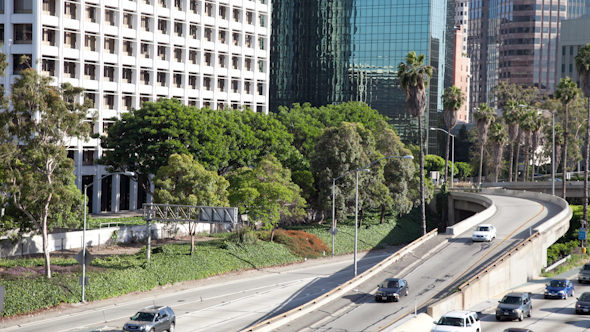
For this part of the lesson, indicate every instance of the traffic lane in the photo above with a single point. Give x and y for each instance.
(299, 278)
(549, 315)
(354, 312)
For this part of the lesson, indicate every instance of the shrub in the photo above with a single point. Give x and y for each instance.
(558, 251)
(301, 243)
(243, 235)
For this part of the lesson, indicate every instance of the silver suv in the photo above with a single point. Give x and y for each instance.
(584, 274)
(152, 319)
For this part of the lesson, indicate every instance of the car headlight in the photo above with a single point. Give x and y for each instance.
(516, 310)
(395, 294)
(561, 292)
(579, 306)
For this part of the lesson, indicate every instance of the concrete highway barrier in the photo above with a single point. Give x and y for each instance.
(476, 219)
(293, 314)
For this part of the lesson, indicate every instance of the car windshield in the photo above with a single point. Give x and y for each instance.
(512, 300)
(453, 321)
(390, 284)
(585, 297)
(557, 283)
(483, 229)
(143, 316)
(586, 267)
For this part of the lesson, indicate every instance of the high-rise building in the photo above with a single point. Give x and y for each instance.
(461, 74)
(334, 51)
(123, 52)
(516, 41)
(574, 34)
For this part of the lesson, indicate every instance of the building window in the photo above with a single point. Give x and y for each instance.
(23, 33)
(128, 48)
(70, 39)
(249, 18)
(128, 75)
(236, 39)
(88, 156)
(221, 62)
(90, 71)
(48, 7)
(261, 66)
(144, 77)
(70, 10)
(192, 81)
(90, 43)
(90, 14)
(109, 101)
(248, 64)
(23, 6)
(162, 3)
(208, 34)
(223, 12)
(178, 29)
(234, 86)
(222, 37)
(48, 37)
(109, 73)
(261, 89)
(109, 17)
(145, 50)
(192, 57)
(178, 4)
(48, 67)
(69, 69)
(207, 83)
(145, 24)
(194, 6)
(261, 43)
(208, 59)
(178, 55)
(209, 9)
(128, 21)
(163, 26)
(109, 45)
(262, 20)
(249, 41)
(194, 31)
(178, 80)
(236, 15)
(248, 87)
(161, 78)
(235, 61)
(162, 53)
(127, 102)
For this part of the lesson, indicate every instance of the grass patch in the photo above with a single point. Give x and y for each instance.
(95, 223)
(575, 261)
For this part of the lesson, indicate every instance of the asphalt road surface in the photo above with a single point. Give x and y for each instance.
(453, 264)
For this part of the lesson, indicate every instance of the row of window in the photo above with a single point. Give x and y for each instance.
(91, 41)
(127, 101)
(111, 15)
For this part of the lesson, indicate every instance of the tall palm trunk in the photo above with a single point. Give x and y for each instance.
(511, 161)
(447, 157)
(518, 139)
(422, 200)
(526, 157)
(481, 143)
(564, 152)
(585, 202)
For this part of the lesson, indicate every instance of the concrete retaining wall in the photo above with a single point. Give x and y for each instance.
(518, 266)
(486, 204)
(97, 237)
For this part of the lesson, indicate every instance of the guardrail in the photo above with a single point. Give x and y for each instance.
(282, 319)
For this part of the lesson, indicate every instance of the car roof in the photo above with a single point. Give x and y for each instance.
(487, 225)
(393, 279)
(517, 294)
(153, 309)
(458, 313)
(516, 329)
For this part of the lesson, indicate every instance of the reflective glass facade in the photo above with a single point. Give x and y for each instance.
(334, 51)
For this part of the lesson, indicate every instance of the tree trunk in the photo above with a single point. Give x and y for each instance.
(585, 201)
(526, 162)
(422, 199)
(192, 244)
(361, 219)
(382, 214)
(272, 233)
(46, 251)
(532, 164)
(564, 152)
(481, 143)
(518, 138)
(447, 158)
(192, 228)
(511, 161)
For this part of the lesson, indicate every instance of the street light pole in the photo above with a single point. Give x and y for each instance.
(356, 208)
(333, 213)
(84, 230)
(453, 154)
(552, 143)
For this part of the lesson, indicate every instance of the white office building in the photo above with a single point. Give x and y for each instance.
(123, 52)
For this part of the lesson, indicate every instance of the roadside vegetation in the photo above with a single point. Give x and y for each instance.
(28, 290)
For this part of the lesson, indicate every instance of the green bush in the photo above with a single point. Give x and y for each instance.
(243, 235)
(558, 251)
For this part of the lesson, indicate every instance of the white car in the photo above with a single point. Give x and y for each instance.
(458, 321)
(484, 232)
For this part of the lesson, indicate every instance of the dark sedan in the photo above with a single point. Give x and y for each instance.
(559, 288)
(516, 329)
(391, 289)
(583, 303)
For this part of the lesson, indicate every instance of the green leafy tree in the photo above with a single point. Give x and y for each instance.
(498, 138)
(528, 124)
(42, 123)
(465, 169)
(414, 76)
(484, 117)
(583, 67)
(567, 92)
(536, 133)
(505, 92)
(510, 115)
(453, 100)
(398, 173)
(185, 181)
(341, 150)
(266, 193)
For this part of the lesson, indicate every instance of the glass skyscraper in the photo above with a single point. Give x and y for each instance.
(334, 51)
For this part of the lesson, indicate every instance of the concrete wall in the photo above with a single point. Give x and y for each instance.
(521, 264)
(469, 202)
(97, 237)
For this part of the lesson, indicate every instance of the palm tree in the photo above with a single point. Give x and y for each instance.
(453, 100)
(414, 77)
(484, 116)
(527, 126)
(535, 138)
(510, 115)
(583, 68)
(567, 92)
(499, 137)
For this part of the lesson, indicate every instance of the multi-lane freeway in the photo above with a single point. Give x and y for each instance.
(231, 304)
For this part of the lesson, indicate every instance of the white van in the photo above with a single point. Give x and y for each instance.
(464, 321)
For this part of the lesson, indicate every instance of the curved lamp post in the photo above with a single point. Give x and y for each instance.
(453, 155)
(84, 231)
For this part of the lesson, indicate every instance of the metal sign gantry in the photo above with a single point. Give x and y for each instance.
(186, 213)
